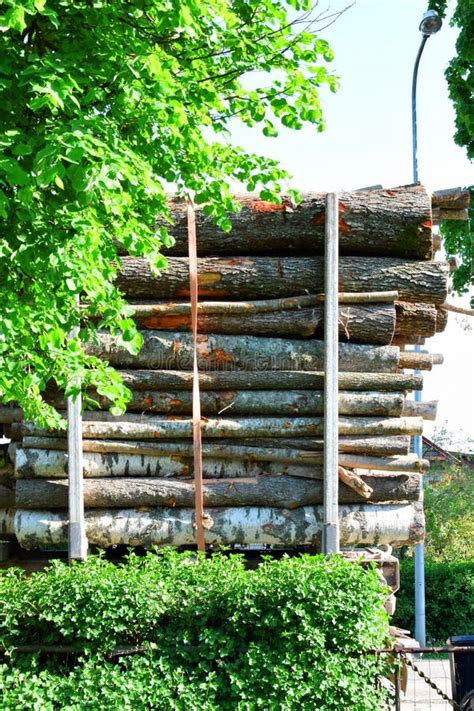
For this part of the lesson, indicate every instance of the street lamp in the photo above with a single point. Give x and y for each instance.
(429, 25)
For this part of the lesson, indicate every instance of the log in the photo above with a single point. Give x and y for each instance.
(398, 524)
(141, 427)
(396, 222)
(427, 409)
(258, 402)
(218, 462)
(7, 523)
(7, 496)
(359, 323)
(355, 483)
(279, 277)
(449, 214)
(173, 351)
(142, 311)
(442, 317)
(277, 491)
(416, 361)
(165, 380)
(384, 446)
(44, 463)
(419, 319)
(451, 198)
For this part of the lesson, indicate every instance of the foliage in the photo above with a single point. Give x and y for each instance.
(286, 635)
(449, 599)
(458, 236)
(104, 104)
(460, 71)
(458, 241)
(448, 506)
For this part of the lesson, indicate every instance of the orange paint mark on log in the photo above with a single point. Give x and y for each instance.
(221, 356)
(265, 206)
(168, 323)
(209, 278)
(427, 224)
(176, 403)
(344, 228)
(148, 400)
(176, 346)
(318, 219)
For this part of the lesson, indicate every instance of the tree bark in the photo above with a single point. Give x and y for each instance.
(398, 524)
(395, 222)
(147, 427)
(278, 491)
(427, 409)
(442, 318)
(276, 277)
(359, 323)
(415, 319)
(47, 464)
(258, 402)
(7, 496)
(384, 446)
(452, 198)
(166, 380)
(174, 351)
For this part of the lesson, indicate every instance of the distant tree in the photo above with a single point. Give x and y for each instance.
(459, 236)
(448, 507)
(102, 105)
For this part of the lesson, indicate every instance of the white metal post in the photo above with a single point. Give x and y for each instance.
(330, 542)
(77, 549)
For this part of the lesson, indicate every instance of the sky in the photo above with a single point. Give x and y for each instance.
(368, 141)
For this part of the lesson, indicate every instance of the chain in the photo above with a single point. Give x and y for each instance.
(430, 683)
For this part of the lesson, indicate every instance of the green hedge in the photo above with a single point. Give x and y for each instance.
(284, 636)
(449, 599)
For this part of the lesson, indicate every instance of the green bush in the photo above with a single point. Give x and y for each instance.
(449, 599)
(284, 636)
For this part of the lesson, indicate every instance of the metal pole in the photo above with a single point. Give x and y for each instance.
(330, 542)
(413, 110)
(420, 613)
(77, 549)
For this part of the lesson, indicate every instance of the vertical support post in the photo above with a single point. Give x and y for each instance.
(420, 597)
(77, 549)
(330, 542)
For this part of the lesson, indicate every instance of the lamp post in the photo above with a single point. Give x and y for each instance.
(429, 25)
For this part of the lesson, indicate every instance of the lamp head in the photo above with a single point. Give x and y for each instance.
(430, 23)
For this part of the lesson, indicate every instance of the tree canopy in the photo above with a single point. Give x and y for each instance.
(104, 105)
(459, 236)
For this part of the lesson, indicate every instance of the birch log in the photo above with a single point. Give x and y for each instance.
(44, 463)
(173, 351)
(398, 524)
(384, 446)
(147, 427)
(358, 323)
(257, 402)
(275, 277)
(396, 221)
(277, 491)
(174, 459)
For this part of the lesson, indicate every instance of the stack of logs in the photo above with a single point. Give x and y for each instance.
(261, 377)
